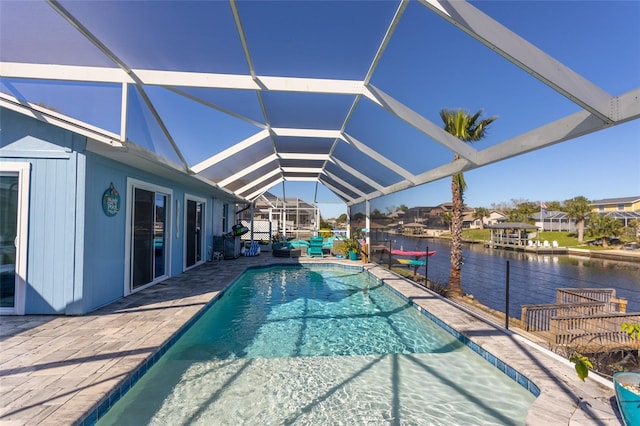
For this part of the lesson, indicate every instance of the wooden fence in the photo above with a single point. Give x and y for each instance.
(589, 319)
(538, 317)
(582, 295)
(595, 332)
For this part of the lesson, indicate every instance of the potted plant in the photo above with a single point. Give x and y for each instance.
(351, 248)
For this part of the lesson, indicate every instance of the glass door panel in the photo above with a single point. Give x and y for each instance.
(8, 234)
(193, 233)
(159, 237)
(143, 223)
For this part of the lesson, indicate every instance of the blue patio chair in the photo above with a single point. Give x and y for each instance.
(315, 247)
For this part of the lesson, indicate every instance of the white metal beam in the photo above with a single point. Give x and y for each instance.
(306, 133)
(64, 73)
(180, 78)
(303, 156)
(300, 179)
(302, 169)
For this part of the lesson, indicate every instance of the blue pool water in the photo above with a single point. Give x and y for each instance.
(319, 345)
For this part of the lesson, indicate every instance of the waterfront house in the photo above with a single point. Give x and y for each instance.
(554, 221)
(625, 209)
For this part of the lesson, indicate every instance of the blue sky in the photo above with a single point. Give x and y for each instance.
(428, 65)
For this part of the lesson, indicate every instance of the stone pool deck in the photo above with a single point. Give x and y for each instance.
(56, 370)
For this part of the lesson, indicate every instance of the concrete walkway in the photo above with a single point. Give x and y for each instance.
(56, 370)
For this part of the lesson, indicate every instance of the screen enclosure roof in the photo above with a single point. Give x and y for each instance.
(248, 95)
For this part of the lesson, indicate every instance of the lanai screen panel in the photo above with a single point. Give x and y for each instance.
(307, 110)
(298, 144)
(336, 174)
(240, 104)
(365, 165)
(240, 161)
(315, 39)
(33, 32)
(396, 140)
(198, 36)
(97, 104)
(253, 178)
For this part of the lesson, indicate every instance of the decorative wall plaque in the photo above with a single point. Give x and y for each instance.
(111, 201)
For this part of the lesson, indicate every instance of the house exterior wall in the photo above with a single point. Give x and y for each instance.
(76, 254)
(105, 237)
(53, 219)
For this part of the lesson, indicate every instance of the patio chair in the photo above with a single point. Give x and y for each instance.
(254, 249)
(315, 247)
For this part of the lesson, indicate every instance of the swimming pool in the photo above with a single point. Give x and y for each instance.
(319, 345)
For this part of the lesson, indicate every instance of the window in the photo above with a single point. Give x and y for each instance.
(225, 218)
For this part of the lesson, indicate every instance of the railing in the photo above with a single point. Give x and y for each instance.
(538, 317)
(595, 331)
(582, 295)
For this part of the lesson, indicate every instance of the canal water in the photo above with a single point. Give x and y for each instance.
(533, 278)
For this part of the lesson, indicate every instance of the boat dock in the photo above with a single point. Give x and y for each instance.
(518, 236)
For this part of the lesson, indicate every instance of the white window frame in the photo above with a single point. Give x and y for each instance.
(131, 185)
(23, 170)
(203, 231)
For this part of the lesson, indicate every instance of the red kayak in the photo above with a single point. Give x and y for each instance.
(412, 253)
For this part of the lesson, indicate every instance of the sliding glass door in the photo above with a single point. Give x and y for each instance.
(149, 236)
(194, 231)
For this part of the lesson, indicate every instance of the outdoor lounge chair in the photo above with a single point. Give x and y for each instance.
(315, 247)
(253, 250)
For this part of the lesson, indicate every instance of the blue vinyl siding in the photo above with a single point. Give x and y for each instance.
(104, 241)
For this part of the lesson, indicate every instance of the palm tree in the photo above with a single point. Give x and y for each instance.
(481, 213)
(604, 226)
(578, 208)
(467, 128)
